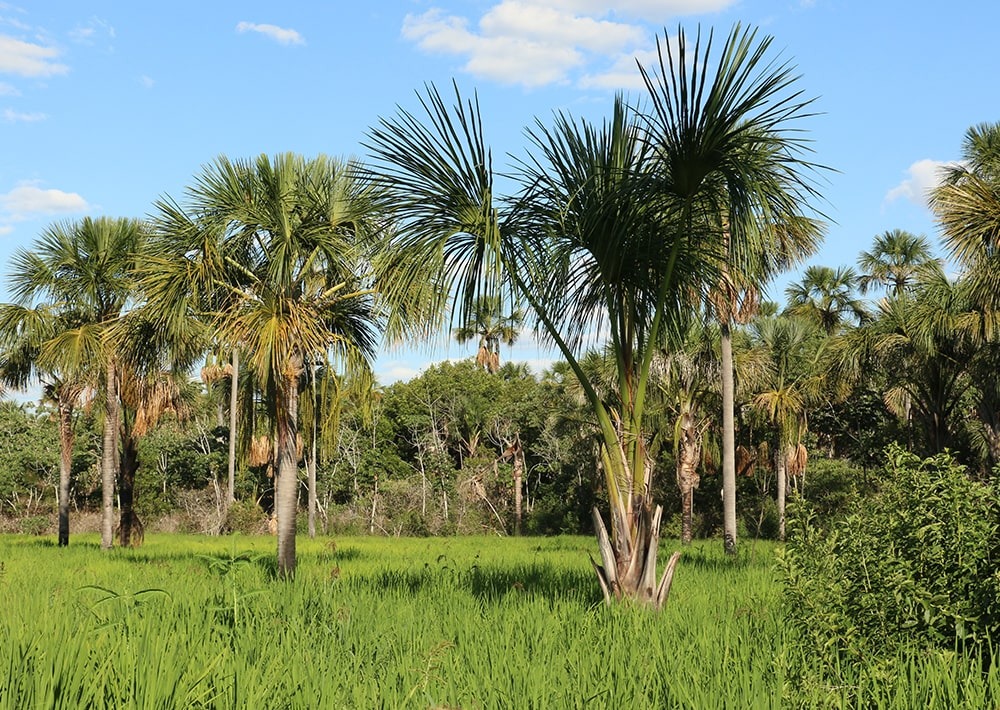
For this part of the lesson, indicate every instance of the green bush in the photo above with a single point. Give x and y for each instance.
(246, 517)
(915, 564)
(35, 525)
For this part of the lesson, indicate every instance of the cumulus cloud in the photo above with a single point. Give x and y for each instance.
(12, 116)
(28, 60)
(28, 199)
(921, 177)
(281, 35)
(539, 42)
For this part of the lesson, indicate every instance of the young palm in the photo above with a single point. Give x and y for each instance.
(271, 252)
(87, 268)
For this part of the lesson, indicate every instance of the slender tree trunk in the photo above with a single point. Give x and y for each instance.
(129, 527)
(371, 521)
(518, 483)
(781, 470)
(65, 467)
(286, 488)
(109, 458)
(233, 419)
(728, 439)
(311, 467)
(688, 479)
(313, 505)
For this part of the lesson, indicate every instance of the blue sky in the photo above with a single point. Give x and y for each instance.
(106, 106)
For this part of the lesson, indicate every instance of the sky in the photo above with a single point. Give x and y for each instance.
(107, 106)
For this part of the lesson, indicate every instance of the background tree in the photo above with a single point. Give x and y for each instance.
(826, 296)
(487, 323)
(298, 232)
(87, 268)
(895, 262)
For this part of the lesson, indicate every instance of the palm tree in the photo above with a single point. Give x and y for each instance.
(613, 227)
(86, 268)
(895, 262)
(967, 206)
(487, 323)
(734, 156)
(787, 384)
(690, 387)
(286, 239)
(826, 297)
(26, 332)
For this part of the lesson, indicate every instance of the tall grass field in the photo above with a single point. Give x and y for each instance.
(197, 622)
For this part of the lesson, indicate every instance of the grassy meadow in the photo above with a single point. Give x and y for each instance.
(485, 622)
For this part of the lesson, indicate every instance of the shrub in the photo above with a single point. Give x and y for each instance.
(35, 525)
(245, 516)
(917, 563)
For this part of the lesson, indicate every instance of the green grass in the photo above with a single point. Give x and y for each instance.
(398, 623)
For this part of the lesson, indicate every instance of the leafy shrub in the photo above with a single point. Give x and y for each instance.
(245, 516)
(915, 564)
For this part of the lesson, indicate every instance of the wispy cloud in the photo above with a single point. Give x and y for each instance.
(147, 81)
(535, 43)
(281, 35)
(8, 90)
(93, 31)
(921, 177)
(12, 116)
(28, 60)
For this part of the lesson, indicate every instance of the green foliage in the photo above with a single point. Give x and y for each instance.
(245, 516)
(916, 564)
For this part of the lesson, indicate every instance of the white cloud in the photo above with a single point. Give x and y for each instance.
(28, 199)
(6, 229)
(648, 10)
(281, 35)
(147, 81)
(922, 176)
(623, 73)
(540, 42)
(12, 116)
(8, 90)
(27, 59)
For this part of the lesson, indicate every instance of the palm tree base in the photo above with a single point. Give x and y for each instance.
(631, 575)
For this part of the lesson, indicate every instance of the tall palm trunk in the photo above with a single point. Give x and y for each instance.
(65, 466)
(728, 438)
(518, 484)
(109, 457)
(233, 389)
(287, 486)
(781, 469)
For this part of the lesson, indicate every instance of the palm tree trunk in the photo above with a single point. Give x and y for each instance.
(109, 458)
(287, 486)
(313, 505)
(233, 389)
(728, 439)
(65, 467)
(781, 470)
(128, 523)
